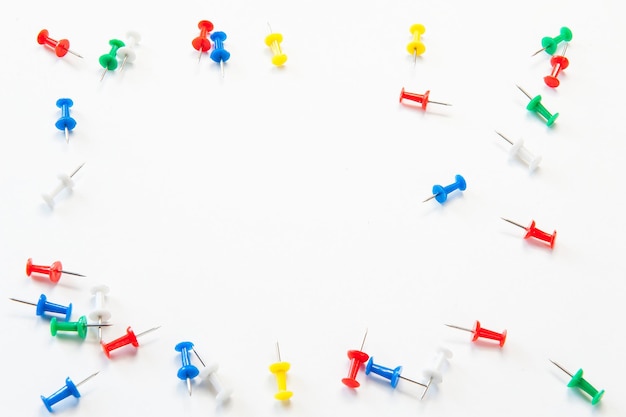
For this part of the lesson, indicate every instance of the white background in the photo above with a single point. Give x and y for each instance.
(285, 204)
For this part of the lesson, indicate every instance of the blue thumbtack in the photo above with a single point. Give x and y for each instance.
(440, 193)
(47, 309)
(393, 375)
(187, 371)
(65, 122)
(219, 54)
(69, 389)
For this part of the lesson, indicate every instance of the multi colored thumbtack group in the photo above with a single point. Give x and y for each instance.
(118, 55)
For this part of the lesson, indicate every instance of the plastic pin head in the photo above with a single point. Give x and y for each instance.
(273, 40)
(45, 308)
(550, 44)
(70, 389)
(416, 47)
(201, 43)
(187, 371)
(577, 381)
(60, 48)
(479, 332)
(440, 193)
(53, 271)
(357, 359)
(532, 231)
(279, 369)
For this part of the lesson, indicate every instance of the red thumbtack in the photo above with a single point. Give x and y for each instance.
(357, 359)
(558, 62)
(536, 233)
(130, 338)
(419, 98)
(53, 271)
(484, 333)
(202, 43)
(61, 48)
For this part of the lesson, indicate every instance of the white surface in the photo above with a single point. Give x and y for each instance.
(286, 204)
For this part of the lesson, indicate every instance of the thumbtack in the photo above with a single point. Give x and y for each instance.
(53, 271)
(100, 313)
(416, 47)
(519, 150)
(187, 371)
(66, 182)
(440, 193)
(393, 375)
(549, 44)
(484, 333)
(535, 106)
(581, 383)
(209, 373)
(419, 98)
(219, 54)
(65, 122)
(130, 338)
(273, 40)
(434, 372)
(357, 359)
(127, 52)
(45, 308)
(532, 231)
(79, 327)
(558, 62)
(201, 43)
(279, 369)
(69, 389)
(108, 61)
(61, 47)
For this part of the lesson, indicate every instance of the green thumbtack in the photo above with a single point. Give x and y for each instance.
(581, 383)
(536, 106)
(549, 44)
(109, 61)
(80, 326)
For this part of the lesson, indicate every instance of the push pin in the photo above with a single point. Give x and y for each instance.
(53, 271)
(273, 40)
(202, 43)
(532, 231)
(45, 308)
(519, 150)
(558, 62)
(130, 338)
(219, 54)
(65, 122)
(535, 106)
(549, 44)
(187, 371)
(416, 47)
(357, 359)
(581, 383)
(61, 47)
(100, 313)
(434, 372)
(66, 182)
(127, 52)
(484, 333)
(393, 375)
(69, 389)
(209, 373)
(440, 193)
(419, 98)
(109, 61)
(279, 369)
(79, 327)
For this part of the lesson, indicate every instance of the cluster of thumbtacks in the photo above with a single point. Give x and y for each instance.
(60, 315)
